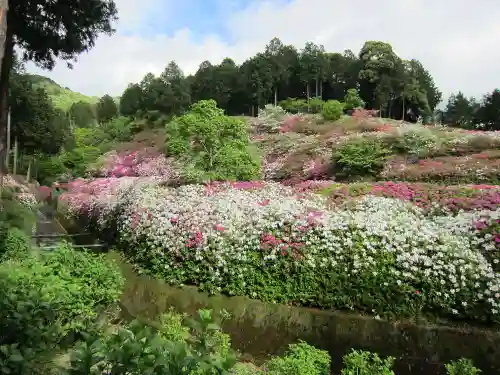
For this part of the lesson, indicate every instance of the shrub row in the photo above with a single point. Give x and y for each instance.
(379, 255)
(351, 101)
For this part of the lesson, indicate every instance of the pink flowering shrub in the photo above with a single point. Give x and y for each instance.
(363, 114)
(239, 238)
(97, 200)
(144, 163)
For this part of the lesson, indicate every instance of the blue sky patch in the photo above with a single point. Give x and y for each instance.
(201, 17)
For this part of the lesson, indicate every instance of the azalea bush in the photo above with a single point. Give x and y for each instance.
(144, 163)
(449, 199)
(415, 140)
(316, 105)
(300, 359)
(379, 255)
(14, 215)
(270, 119)
(476, 168)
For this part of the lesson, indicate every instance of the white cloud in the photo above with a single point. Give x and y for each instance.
(456, 41)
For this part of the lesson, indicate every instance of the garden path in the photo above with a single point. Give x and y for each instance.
(49, 232)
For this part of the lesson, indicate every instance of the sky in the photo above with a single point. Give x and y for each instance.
(457, 41)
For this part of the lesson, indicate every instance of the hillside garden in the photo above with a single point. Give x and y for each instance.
(346, 194)
(60, 314)
(417, 246)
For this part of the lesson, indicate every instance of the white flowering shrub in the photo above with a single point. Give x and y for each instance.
(271, 118)
(377, 255)
(27, 199)
(416, 139)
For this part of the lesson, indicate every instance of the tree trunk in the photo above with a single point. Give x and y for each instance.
(28, 173)
(4, 45)
(321, 90)
(317, 87)
(308, 93)
(275, 97)
(403, 115)
(7, 159)
(16, 150)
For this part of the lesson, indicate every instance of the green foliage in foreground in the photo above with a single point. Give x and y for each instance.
(47, 299)
(171, 348)
(15, 219)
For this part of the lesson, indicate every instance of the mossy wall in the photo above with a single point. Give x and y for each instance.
(262, 329)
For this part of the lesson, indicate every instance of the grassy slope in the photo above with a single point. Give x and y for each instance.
(62, 97)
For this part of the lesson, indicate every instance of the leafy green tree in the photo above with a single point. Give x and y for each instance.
(225, 78)
(176, 81)
(257, 80)
(203, 86)
(44, 32)
(159, 97)
(281, 59)
(82, 114)
(217, 82)
(36, 123)
(488, 114)
(215, 146)
(460, 111)
(379, 65)
(426, 82)
(131, 100)
(414, 98)
(352, 100)
(106, 109)
(313, 63)
(342, 74)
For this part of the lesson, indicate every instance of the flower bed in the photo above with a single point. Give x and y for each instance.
(380, 255)
(427, 196)
(476, 168)
(145, 163)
